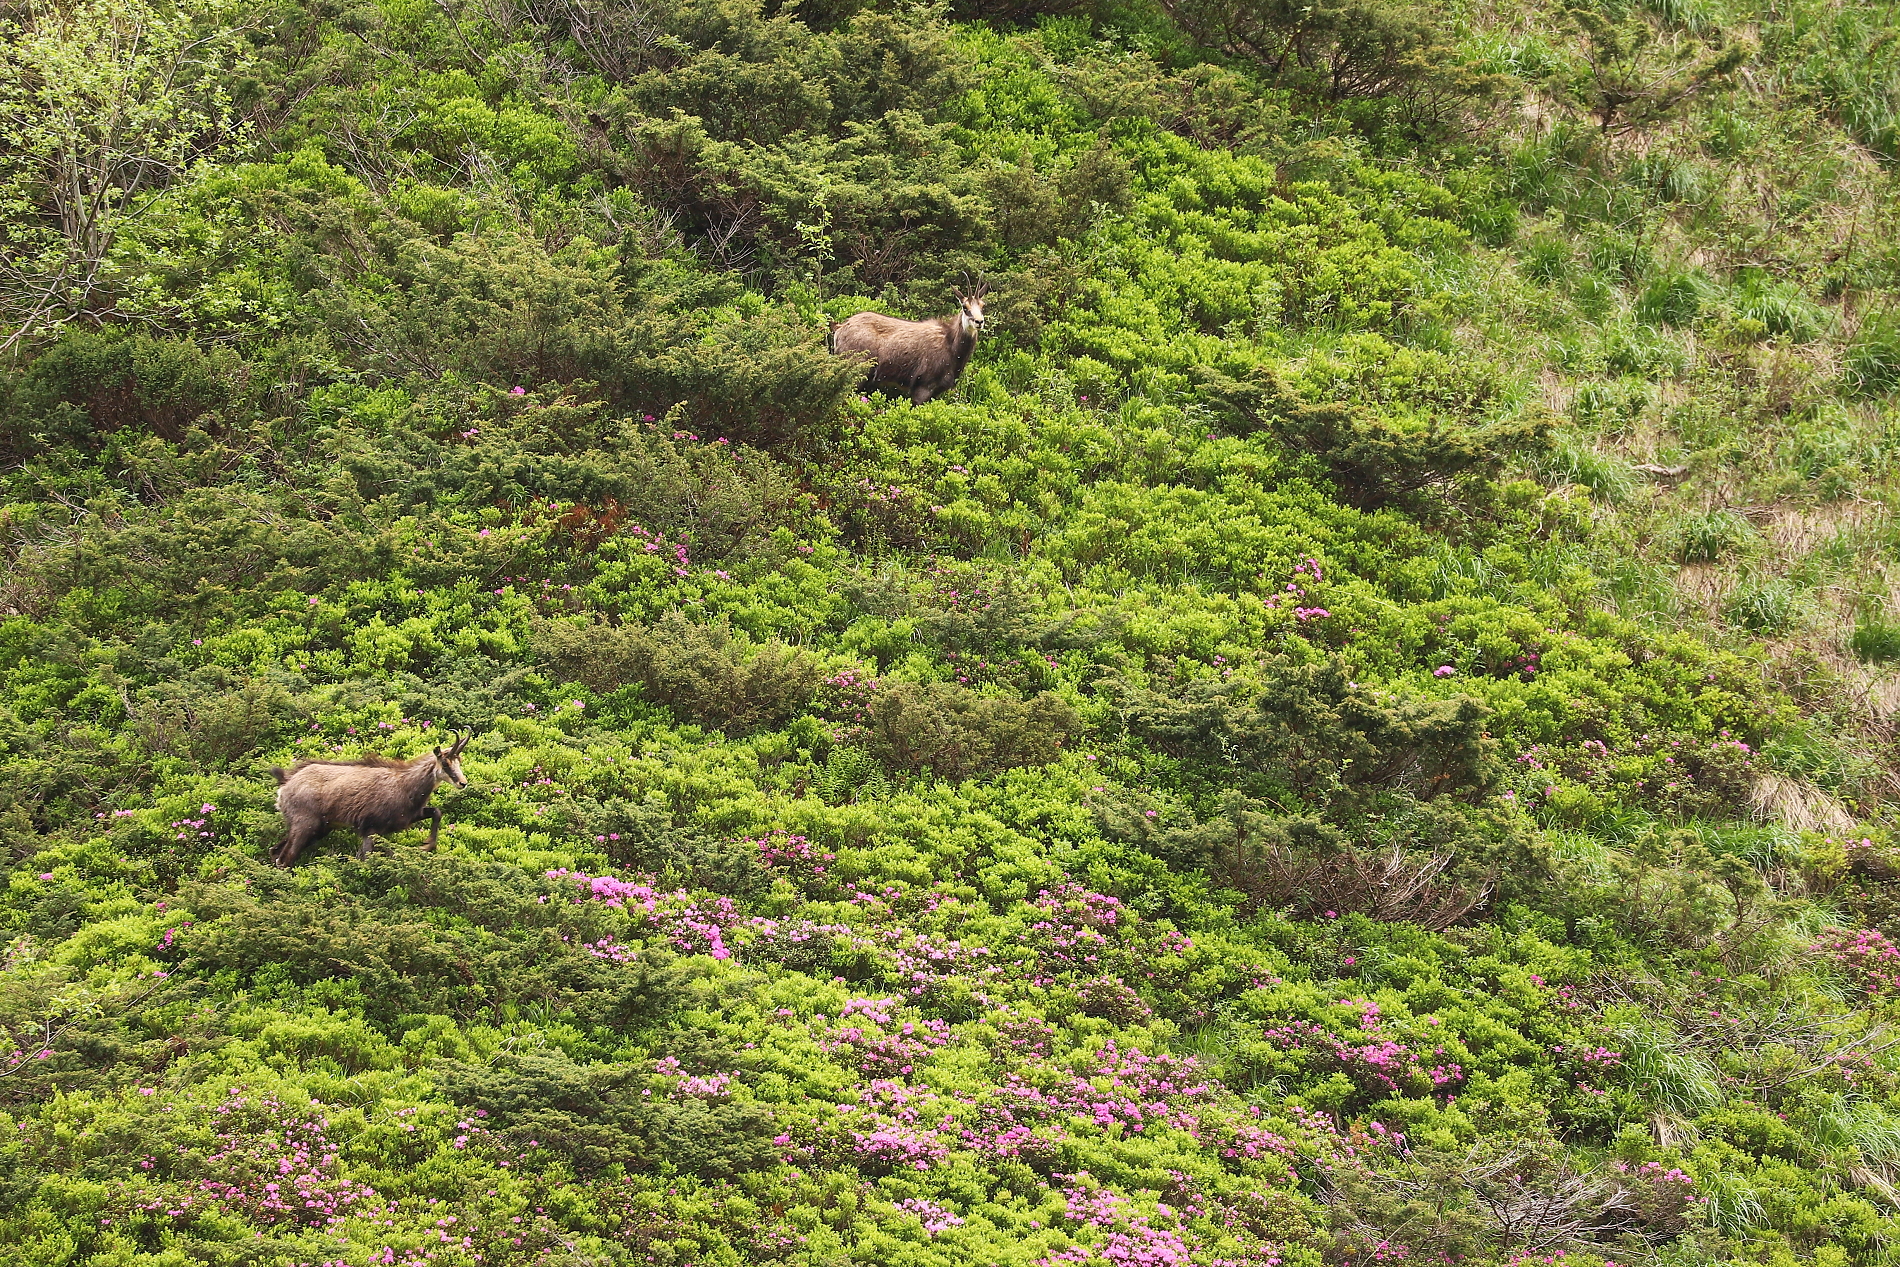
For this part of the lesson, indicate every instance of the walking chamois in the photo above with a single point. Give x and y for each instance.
(372, 795)
(920, 358)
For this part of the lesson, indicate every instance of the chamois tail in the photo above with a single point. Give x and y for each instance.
(280, 774)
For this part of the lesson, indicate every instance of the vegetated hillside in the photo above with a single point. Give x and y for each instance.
(1361, 731)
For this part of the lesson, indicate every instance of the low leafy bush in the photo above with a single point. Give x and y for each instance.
(90, 384)
(597, 1116)
(1420, 865)
(1374, 459)
(1330, 739)
(701, 671)
(955, 732)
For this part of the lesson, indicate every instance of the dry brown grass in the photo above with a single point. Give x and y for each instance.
(1704, 588)
(1798, 806)
(1796, 530)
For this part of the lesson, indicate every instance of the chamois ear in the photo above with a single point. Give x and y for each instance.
(438, 750)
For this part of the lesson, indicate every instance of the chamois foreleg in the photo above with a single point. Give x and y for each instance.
(434, 816)
(362, 846)
(300, 831)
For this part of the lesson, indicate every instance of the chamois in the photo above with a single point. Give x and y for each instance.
(922, 358)
(371, 795)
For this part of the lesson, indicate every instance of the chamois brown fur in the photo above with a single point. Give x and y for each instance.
(372, 795)
(918, 358)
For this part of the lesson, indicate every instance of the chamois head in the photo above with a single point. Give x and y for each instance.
(449, 764)
(970, 311)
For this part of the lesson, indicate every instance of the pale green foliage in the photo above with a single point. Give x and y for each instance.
(104, 104)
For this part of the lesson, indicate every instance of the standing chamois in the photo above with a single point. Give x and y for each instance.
(921, 358)
(371, 795)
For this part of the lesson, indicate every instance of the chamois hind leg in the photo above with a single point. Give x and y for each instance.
(921, 395)
(362, 848)
(299, 832)
(434, 816)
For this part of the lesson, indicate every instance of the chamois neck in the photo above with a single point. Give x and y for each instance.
(424, 773)
(960, 338)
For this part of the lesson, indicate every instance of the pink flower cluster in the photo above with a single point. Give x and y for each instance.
(286, 1172)
(1071, 931)
(780, 848)
(186, 826)
(1116, 1088)
(883, 1047)
(1304, 572)
(693, 1086)
(1380, 1062)
(1871, 960)
(845, 697)
(1121, 1238)
(898, 1148)
(608, 948)
(697, 927)
(933, 1216)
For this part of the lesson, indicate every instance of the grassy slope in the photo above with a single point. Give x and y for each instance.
(963, 901)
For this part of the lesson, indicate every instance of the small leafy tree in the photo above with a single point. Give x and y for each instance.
(955, 733)
(1337, 50)
(1323, 736)
(1631, 75)
(104, 104)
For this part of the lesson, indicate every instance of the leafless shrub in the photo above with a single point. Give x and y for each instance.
(1390, 884)
(1498, 1196)
(1765, 1044)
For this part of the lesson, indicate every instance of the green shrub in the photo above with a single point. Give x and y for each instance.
(1708, 537)
(92, 383)
(954, 732)
(1344, 49)
(1323, 735)
(701, 671)
(1432, 868)
(1766, 607)
(1876, 640)
(1375, 459)
(602, 1115)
